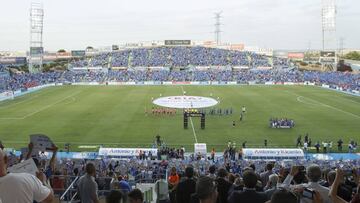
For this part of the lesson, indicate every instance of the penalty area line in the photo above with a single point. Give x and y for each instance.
(322, 104)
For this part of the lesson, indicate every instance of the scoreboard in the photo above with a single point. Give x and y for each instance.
(78, 53)
(177, 42)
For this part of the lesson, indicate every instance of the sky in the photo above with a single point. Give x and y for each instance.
(75, 24)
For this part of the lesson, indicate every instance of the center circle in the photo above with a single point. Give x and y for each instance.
(185, 102)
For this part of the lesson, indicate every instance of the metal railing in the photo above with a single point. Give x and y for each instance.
(71, 186)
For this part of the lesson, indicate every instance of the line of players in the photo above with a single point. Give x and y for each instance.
(161, 111)
(158, 111)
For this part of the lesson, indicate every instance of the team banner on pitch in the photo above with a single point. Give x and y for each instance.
(272, 153)
(125, 152)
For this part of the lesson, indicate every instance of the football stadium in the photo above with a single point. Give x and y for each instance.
(179, 120)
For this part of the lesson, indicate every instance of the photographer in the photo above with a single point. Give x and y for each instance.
(313, 174)
(334, 189)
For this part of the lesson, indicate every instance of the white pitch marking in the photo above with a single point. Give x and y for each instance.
(43, 108)
(326, 105)
(14, 104)
(302, 101)
(50, 105)
(192, 125)
(182, 89)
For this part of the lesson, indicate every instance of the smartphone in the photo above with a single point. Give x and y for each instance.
(308, 193)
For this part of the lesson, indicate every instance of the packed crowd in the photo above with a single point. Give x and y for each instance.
(185, 180)
(175, 57)
(347, 81)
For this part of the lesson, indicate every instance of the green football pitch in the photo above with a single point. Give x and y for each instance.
(114, 116)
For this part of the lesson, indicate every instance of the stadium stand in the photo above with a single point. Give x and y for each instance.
(180, 64)
(316, 183)
(232, 177)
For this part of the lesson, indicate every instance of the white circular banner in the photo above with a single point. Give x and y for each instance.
(185, 102)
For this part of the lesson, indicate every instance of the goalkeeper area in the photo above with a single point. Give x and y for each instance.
(121, 116)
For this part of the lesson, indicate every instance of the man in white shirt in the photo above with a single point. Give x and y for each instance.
(22, 187)
(162, 191)
(313, 173)
(87, 187)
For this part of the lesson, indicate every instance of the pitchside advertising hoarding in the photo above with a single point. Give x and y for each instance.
(126, 152)
(200, 148)
(177, 42)
(253, 153)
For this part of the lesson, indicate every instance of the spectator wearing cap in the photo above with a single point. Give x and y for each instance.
(87, 187)
(22, 187)
(186, 187)
(223, 185)
(136, 196)
(248, 195)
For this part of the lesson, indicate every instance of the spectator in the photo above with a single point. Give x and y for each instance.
(248, 195)
(124, 185)
(271, 185)
(313, 173)
(223, 185)
(173, 181)
(186, 187)
(334, 189)
(212, 170)
(87, 187)
(136, 196)
(161, 189)
(284, 196)
(265, 175)
(22, 187)
(343, 191)
(206, 190)
(114, 197)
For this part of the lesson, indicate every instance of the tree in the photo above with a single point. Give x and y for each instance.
(61, 51)
(353, 55)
